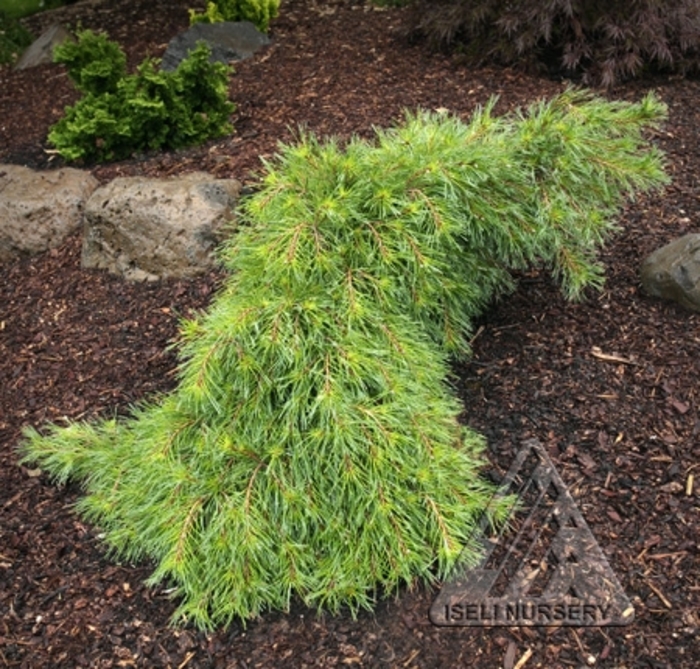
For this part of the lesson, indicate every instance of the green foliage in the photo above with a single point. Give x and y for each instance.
(20, 8)
(14, 39)
(258, 12)
(121, 114)
(312, 447)
(603, 41)
(95, 64)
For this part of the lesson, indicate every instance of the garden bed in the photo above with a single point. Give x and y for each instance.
(624, 431)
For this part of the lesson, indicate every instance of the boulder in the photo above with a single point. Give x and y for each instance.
(146, 229)
(40, 51)
(673, 272)
(39, 209)
(228, 40)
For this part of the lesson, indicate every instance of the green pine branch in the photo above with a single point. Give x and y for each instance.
(312, 448)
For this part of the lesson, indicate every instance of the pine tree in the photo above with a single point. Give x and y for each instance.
(312, 447)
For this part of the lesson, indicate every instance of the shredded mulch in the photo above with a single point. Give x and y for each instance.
(608, 385)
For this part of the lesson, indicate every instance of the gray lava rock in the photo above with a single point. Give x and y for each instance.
(39, 209)
(146, 229)
(228, 41)
(673, 272)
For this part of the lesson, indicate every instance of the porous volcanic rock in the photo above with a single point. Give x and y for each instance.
(146, 229)
(39, 209)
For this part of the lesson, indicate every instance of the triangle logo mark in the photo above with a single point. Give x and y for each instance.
(544, 567)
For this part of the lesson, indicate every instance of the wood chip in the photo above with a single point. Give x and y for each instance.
(523, 660)
(659, 594)
(597, 353)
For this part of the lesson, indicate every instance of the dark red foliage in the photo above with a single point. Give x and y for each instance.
(600, 41)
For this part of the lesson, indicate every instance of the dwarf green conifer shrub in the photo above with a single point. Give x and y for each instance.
(94, 63)
(312, 447)
(120, 114)
(258, 12)
(600, 41)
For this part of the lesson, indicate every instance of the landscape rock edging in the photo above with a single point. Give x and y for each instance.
(39, 209)
(148, 229)
(137, 227)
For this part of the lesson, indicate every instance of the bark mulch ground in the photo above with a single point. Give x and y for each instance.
(609, 385)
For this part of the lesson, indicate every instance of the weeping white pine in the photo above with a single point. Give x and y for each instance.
(312, 447)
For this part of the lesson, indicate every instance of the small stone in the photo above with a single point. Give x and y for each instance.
(40, 51)
(228, 40)
(673, 272)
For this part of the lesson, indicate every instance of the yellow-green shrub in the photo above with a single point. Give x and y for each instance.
(120, 114)
(258, 12)
(312, 448)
